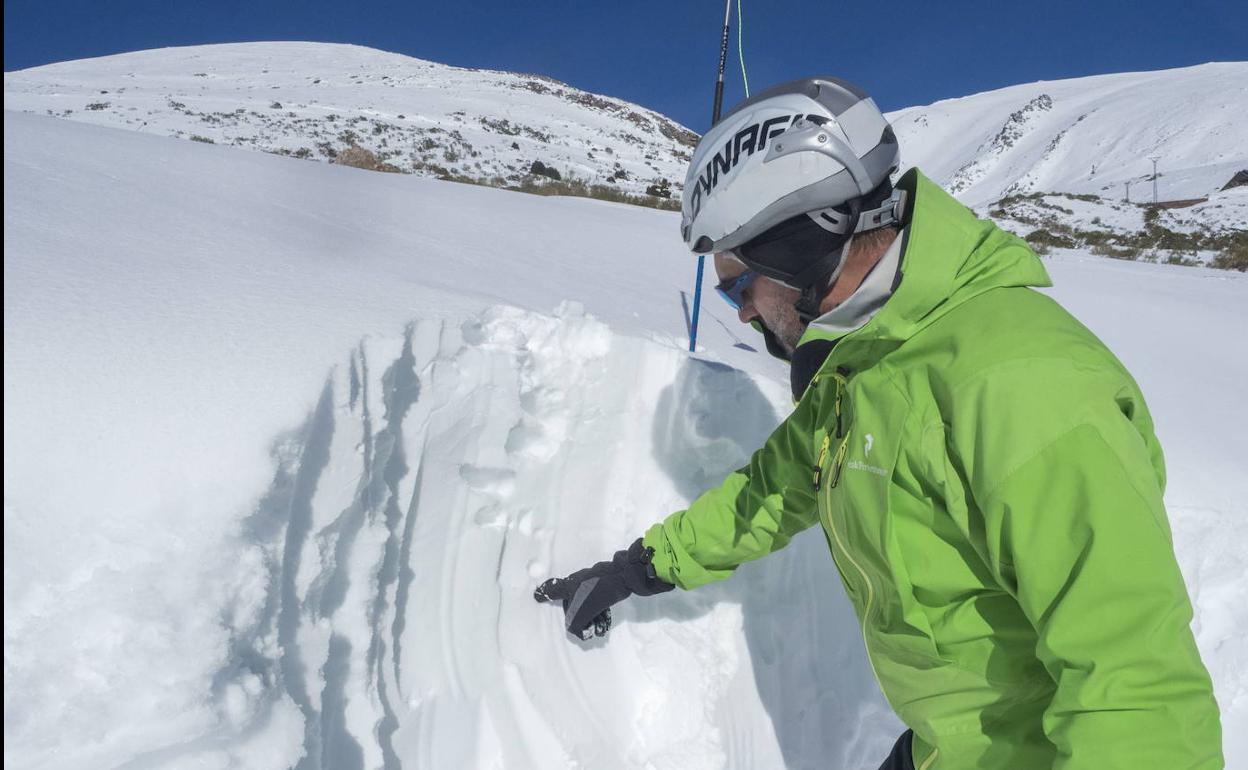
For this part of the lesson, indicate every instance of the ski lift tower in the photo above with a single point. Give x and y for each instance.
(1154, 159)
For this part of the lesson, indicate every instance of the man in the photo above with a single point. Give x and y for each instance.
(984, 469)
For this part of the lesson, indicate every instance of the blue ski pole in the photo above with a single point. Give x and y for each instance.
(715, 109)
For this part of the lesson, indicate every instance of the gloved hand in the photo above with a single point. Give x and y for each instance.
(588, 594)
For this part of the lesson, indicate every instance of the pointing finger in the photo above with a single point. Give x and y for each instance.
(552, 589)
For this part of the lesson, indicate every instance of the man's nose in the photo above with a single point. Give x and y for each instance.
(747, 313)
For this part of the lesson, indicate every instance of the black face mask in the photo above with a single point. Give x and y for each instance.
(794, 251)
(769, 338)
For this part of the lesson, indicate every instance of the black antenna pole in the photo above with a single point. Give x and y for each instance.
(715, 110)
(723, 58)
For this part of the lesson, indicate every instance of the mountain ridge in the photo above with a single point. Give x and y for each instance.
(316, 100)
(1015, 154)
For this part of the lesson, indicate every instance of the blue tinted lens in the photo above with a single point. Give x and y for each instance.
(733, 290)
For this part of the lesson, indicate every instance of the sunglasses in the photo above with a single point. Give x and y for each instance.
(733, 289)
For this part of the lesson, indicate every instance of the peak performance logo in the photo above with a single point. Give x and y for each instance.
(744, 143)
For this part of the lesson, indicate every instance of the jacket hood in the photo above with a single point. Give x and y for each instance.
(949, 256)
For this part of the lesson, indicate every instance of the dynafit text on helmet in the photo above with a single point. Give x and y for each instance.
(984, 469)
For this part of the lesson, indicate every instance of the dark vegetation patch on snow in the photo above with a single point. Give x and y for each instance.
(1049, 220)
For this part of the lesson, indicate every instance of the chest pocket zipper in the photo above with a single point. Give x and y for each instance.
(842, 436)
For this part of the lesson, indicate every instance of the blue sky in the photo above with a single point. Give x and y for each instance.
(663, 54)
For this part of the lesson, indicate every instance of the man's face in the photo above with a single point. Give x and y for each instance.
(766, 301)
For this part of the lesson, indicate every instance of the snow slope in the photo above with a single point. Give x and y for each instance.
(316, 99)
(288, 446)
(1087, 135)
(1083, 136)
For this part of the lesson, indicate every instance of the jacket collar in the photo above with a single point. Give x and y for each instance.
(947, 257)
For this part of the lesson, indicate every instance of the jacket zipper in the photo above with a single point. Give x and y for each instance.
(930, 759)
(870, 603)
(839, 462)
(842, 384)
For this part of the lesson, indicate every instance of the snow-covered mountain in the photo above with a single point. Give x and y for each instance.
(288, 446)
(1067, 163)
(1090, 135)
(316, 100)
(1019, 155)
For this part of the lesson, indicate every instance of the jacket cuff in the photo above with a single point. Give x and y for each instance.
(672, 563)
(662, 560)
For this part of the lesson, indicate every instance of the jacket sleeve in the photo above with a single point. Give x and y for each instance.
(755, 511)
(1079, 534)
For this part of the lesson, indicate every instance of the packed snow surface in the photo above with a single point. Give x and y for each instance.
(288, 446)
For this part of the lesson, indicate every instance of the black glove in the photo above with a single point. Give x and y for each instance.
(588, 594)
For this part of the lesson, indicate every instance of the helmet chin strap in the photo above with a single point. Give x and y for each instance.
(807, 304)
(814, 281)
(889, 213)
(812, 288)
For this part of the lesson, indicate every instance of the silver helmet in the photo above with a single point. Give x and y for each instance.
(788, 176)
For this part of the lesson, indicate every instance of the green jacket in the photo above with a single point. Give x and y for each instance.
(990, 486)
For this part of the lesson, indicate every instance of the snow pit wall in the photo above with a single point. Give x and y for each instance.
(376, 608)
(458, 466)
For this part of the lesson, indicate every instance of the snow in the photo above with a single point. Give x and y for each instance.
(1090, 136)
(1223, 215)
(316, 98)
(288, 446)
(1229, 206)
(1087, 135)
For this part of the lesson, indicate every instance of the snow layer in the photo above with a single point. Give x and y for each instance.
(288, 446)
